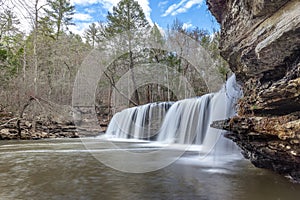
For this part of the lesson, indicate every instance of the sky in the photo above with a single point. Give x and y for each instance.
(190, 12)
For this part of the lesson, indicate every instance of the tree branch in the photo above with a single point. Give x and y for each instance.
(114, 86)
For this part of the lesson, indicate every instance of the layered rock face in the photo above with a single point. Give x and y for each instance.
(260, 39)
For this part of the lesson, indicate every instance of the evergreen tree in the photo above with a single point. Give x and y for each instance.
(157, 39)
(10, 47)
(8, 25)
(92, 34)
(128, 18)
(60, 13)
(156, 35)
(46, 27)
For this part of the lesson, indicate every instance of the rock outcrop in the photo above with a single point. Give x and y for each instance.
(260, 39)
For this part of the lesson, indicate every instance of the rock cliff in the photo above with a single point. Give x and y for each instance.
(260, 39)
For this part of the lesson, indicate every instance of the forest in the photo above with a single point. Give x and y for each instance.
(41, 63)
(134, 103)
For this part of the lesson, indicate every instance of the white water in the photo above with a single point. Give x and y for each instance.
(186, 122)
(140, 122)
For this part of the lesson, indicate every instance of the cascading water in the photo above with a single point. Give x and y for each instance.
(141, 122)
(185, 122)
(185, 119)
(188, 121)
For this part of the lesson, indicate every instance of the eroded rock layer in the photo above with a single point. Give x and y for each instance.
(260, 39)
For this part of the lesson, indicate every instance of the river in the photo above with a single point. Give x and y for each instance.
(65, 169)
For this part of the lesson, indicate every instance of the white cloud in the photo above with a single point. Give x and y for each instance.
(186, 26)
(82, 17)
(108, 5)
(89, 10)
(182, 7)
(79, 28)
(147, 10)
(173, 8)
(24, 10)
(162, 3)
(85, 2)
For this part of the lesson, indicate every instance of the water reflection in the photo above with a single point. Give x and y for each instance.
(63, 169)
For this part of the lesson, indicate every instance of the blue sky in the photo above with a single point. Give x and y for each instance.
(191, 12)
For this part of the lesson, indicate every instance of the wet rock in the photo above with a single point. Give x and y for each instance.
(261, 142)
(10, 131)
(5, 134)
(261, 41)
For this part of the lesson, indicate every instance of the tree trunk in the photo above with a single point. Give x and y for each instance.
(24, 63)
(109, 100)
(136, 94)
(148, 94)
(35, 47)
(131, 65)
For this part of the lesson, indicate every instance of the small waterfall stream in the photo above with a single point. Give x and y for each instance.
(141, 122)
(184, 122)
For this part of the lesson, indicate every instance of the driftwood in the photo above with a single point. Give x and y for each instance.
(9, 121)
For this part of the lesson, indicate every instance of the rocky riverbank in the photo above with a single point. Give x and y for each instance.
(260, 39)
(15, 128)
(47, 124)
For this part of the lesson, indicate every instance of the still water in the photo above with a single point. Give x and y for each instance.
(64, 169)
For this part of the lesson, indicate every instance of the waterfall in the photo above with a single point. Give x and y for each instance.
(185, 119)
(141, 122)
(188, 121)
(184, 122)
